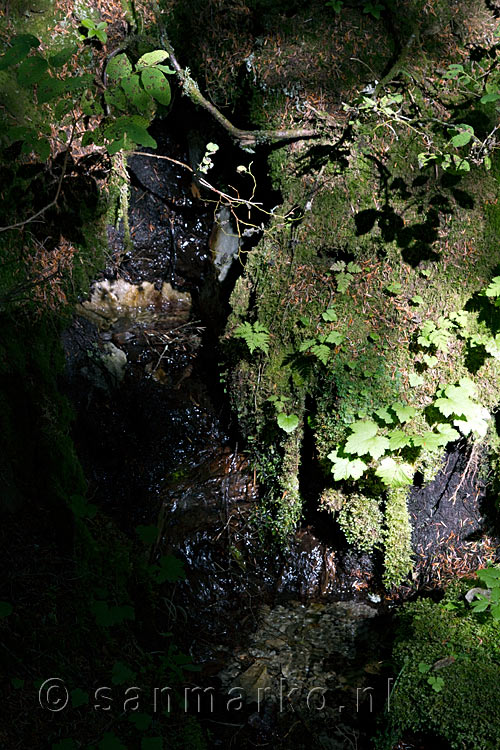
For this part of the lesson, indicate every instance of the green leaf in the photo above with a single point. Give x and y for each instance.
(423, 668)
(107, 615)
(151, 58)
(354, 268)
(365, 440)
(429, 440)
(255, 335)
(329, 316)
(81, 507)
(19, 50)
(457, 399)
(119, 67)
(461, 139)
(403, 412)
(147, 534)
(345, 468)
(480, 605)
(157, 85)
(32, 70)
(117, 99)
(287, 422)
(334, 337)
(394, 288)
(449, 435)
(141, 721)
(343, 281)
(490, 576)
(122, 674)
(62, 57)
(133, 90)
(6, 609)
(430, 360)
(384, 415)
(79, 698)
(394, 474)
(415, 380)
(493, 290)
(492, 97)
(417, 299)
(168, 568)
(398, 439)
(49, 89)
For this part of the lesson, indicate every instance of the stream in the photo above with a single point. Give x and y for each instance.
(292, 647)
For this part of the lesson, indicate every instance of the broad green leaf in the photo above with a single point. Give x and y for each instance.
(394, 288)
(429, 440)
(403, 412)
(384, 415)
(398, 439)
(156, 84)
(493, 290)
(417, 299)
(168, 568)
(119, 67)
(49, 89)
(116, 98)
(490, 576)
(423, 668)
(151, 58)
(329, 316)
(461, 139)
(448, 433)
(492, 346)
(141, 721)
(134, 91)
(415, 380)
(32, 70)
(492, 97)
(457, 399)
(430, 360)
(122, 674)
(334, 337)
(77, 83)
(365, 440)
(476, 422)
(287, 422)
(62, 57)
(480, 605)
(21, 46)
(394, 474)
(345, 468)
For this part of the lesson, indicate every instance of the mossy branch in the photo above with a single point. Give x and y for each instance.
(244, 138)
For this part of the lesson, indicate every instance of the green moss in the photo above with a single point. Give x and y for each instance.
(397, 538)
(466, 711)
(360, 518)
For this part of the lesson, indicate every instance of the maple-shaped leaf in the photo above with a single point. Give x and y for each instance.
(334, 337)
(403, 411)
(448, 433)
(394, 474)
(492, 346)
(493, 290)
(345, 468)
(429, 440)
(384, 415)
(457, 399)
(476, 422)
(415, 379)
(365, 440)
(398, 439)
(430, 360)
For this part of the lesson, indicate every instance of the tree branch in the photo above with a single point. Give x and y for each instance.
(244, 138)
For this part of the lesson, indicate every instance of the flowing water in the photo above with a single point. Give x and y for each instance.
(291, 645)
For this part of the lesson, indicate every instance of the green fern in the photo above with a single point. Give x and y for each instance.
(255, 335)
